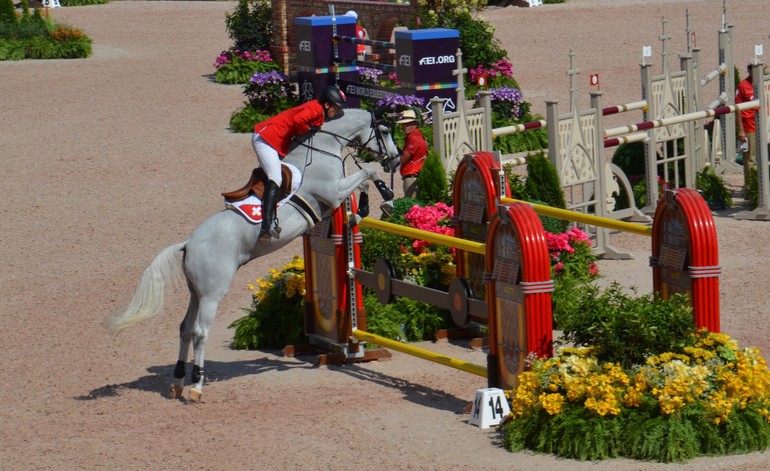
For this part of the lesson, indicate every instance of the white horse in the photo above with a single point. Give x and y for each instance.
(225, 241)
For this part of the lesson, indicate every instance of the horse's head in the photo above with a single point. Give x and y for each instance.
(362, 129)
(381, 143)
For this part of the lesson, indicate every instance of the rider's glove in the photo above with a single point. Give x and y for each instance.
(314, 129)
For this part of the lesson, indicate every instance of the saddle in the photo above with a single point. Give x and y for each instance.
(256, 185)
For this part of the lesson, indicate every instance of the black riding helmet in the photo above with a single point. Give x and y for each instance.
(332, 95)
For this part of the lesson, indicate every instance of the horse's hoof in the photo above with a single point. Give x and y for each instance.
(354, 220)
(195, 395)
(363, 204)
(175, 392)
(386, 193)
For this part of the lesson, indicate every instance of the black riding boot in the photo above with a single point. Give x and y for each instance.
(269, 221)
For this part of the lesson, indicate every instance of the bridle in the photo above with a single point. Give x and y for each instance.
(382, 156)
(375, 134)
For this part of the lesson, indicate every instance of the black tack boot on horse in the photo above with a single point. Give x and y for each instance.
(269, 221)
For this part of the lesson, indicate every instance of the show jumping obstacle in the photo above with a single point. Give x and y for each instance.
(503, 272)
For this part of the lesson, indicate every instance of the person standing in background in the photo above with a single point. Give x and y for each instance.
(360, 33)
(414, 153)
(747, 125)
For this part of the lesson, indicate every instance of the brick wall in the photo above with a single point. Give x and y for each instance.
(377, 17)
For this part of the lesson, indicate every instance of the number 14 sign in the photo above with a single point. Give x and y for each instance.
(490, 407)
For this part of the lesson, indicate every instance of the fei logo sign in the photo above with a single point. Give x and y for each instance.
(304, 46)
(432, 60)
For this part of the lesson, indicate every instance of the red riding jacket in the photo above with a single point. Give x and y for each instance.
(279, 130)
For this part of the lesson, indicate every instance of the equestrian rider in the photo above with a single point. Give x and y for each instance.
(271, 141)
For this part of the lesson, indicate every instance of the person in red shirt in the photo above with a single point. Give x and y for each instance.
(414, 153)
(360, 33)
(271, 140)
(747, 125)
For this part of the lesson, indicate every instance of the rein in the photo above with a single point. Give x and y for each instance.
(375, 134)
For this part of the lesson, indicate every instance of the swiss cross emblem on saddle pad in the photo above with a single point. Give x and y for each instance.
(247, 200)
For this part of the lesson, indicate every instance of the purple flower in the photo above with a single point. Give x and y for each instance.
(507, 101)
(396, 104)
(399, 102)
(267, 88)
(368, 75)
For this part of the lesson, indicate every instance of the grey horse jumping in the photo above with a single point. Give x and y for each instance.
(226, 240)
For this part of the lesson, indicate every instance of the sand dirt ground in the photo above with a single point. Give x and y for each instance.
(107, 160)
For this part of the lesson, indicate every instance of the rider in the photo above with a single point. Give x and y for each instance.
(271, 141)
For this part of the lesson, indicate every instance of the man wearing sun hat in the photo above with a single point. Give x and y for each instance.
(414, 153)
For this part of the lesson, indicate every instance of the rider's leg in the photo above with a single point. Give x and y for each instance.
(270, 162)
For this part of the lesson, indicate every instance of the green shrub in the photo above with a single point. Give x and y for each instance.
(543, 187)
(640, 193)
(477, 38)
(38, 37)
(380, 244)
(713, 189)
(246, 118)
(276, 315)
(520, 142)
(404, 319)
(251, 29)
(431, 181)
(630, 158)
(240, 71)
(626, 329)
(7, 13)
(543, 182)
(573, 267)
(237, 67)
(516, 182)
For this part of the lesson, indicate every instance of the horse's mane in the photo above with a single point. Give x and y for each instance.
(348, 115)
(338, 125)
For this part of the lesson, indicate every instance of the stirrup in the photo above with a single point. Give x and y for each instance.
(275, 229)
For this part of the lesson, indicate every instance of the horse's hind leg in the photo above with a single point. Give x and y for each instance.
(185, 339)
(207, 310)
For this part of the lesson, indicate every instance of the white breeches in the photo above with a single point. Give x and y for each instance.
(267, 158)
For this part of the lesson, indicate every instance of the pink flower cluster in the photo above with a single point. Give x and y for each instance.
(501, 67)
(227, 57)
(559, 244)
(435, 219)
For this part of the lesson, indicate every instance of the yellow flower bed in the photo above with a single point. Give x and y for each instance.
(712, 383)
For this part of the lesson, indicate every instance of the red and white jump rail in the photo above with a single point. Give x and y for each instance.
(532, 125)
(659, 123)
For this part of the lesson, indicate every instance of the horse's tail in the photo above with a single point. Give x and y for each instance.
(148, 298)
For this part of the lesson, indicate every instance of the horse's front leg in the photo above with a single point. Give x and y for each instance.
(359, 180)
(333, 196)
